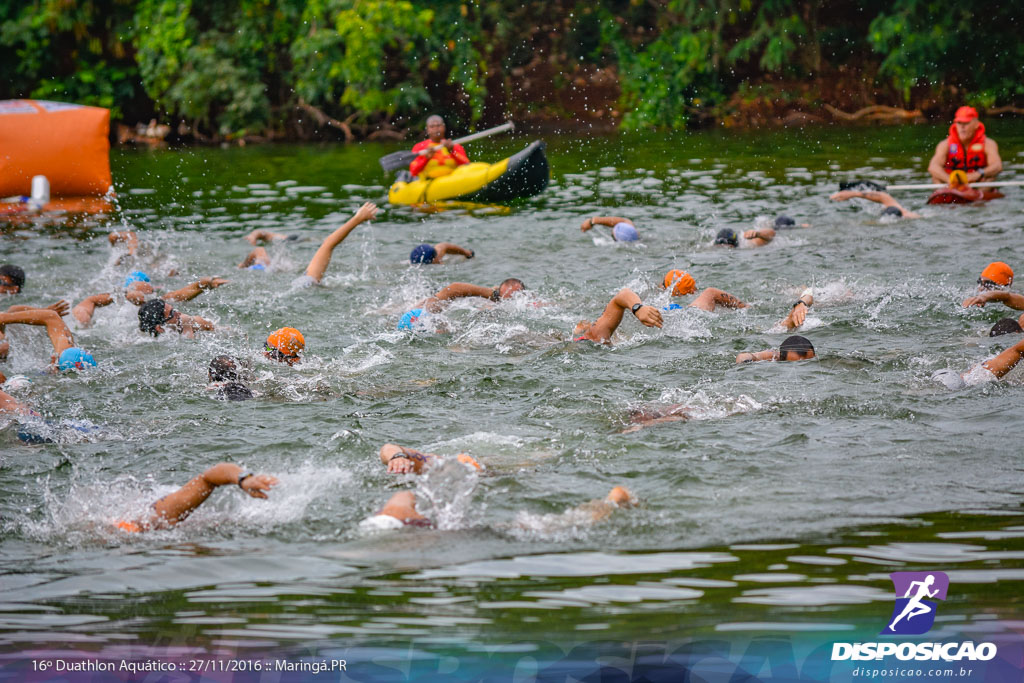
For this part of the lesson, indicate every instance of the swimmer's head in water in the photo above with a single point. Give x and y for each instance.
(796, 348)
(75, 359)
(135, 276)
(1005, 326)
(285, 345)
(154, 313)
(783, 221)
(509, 287)
(680, 282)
(224, 369)
(996, 276)
(892, 211)
(727, 237)
(12, 279)
(410, 318)
(624, 232)
(423, 253)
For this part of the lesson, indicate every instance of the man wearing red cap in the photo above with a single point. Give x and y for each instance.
(966, 149)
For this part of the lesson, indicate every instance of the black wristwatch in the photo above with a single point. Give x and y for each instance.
(637, 307)
(243, 477)
(801, 301)
(496, 295)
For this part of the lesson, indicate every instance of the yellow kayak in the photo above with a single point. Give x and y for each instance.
(521, 175)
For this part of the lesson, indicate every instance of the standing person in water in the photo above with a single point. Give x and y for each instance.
(623, 229)
(434, 163)
(322, 258)
(966, 149)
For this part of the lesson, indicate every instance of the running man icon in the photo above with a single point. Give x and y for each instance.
(914, 587)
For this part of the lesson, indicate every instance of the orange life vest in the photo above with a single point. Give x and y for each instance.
(970, 157)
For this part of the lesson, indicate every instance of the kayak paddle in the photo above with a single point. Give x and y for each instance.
(880, 187)
(397, 160)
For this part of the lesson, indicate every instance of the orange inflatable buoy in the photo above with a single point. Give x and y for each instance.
(67, 143)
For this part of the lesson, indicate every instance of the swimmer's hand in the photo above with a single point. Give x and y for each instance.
(845, 194)
(401, 464)
(257, 485)
(649, 316)
(61, 308)
(745, 358)
(212, 282)
(979, 300)
(366, 212)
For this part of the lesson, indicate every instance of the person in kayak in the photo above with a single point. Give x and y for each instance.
(434, 163)
(966, 149)
(623, 229)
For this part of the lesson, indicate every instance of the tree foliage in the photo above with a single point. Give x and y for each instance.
(242, 66)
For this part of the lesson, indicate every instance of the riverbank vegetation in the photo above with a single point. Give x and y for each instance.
(300, 69)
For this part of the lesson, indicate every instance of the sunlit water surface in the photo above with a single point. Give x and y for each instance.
(781, 504)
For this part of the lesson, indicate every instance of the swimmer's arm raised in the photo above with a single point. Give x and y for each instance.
(445, 248)
(176, 506)
(712, 297)
(1005, 361)
(322, 258)
(60, 336)
(1011, 299)
(128, 237)
(194, 289)
(84, 309)
(602, 330)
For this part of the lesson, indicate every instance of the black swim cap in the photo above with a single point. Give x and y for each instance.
(862, 185)
(223, 369)
(892, 211)
(797, 344)
(13, 273)
(151, 314)
(784, 221)
(727, 236)
(1005, 326)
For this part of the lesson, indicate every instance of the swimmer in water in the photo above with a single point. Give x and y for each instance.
(601, 330)
(157, 316)
(66, 356)
(12, 279)
(137, 286)
(682, 283)
(227, 378)
(427, 254)
(784, 222)
(400, 511)
(792, 349)
(996, 278)
(892, 207)
(322, 258)
(994, 368)
(1006, 326)
(646, 417)
(402, 460)
(727, 237)
(459, 290)
(623, 229)
(285, 346)
(175, 507)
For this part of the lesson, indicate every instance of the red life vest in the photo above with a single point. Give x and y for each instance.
(970, 157)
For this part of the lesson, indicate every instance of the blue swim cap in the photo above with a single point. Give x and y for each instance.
(257, 266)
(410, 318)
(624, 232)
(424, 253)
(75, 359)
(672, 307)
(135, 276)
(784, 221)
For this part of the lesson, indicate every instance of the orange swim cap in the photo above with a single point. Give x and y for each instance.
(468, 460)
(288, 340)
(681, 282)
(999, 273)
(130, 527)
